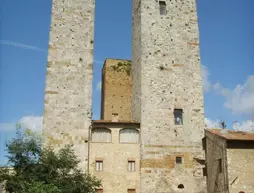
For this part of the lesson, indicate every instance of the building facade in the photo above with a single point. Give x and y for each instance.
(68, 92)
(167, 95)
(229, 160)
(114, 155)
(116, 90)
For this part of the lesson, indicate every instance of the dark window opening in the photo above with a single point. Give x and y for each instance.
(205, 171)
(178, 115)
(181, 186)
(179, 160)
(220, 165)
(131, 191)
(163, 9)
(99, 191)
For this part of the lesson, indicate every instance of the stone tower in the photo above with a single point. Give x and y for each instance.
(68, 94)
(116, 90)
(167, 95)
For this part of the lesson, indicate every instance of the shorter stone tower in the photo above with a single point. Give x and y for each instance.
(116, 90)
(68, 94)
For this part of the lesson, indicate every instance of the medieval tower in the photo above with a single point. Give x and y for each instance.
(161, 149)
(167, 95)
(68, 94)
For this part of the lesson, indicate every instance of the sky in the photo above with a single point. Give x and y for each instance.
(227, 58)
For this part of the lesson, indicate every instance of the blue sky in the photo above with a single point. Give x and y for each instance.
(227, 56)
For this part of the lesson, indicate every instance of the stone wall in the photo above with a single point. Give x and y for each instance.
(240, 168)
(116, 90)
(216, 170)
(68, 93)
(115, 155)
(166, 75)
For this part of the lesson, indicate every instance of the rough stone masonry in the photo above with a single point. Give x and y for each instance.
(68, 94)
(166, 76)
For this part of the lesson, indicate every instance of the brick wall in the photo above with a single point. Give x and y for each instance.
(116, 91)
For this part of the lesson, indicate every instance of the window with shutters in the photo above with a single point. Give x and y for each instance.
(101, 135)
(99, 165)
(131, 166)
(163, 7)
(129, 136)
(131, 191)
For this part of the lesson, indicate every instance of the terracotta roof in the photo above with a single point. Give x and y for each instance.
(233, 135)
(111, 121)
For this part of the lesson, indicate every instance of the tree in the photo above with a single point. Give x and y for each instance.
(42, 170)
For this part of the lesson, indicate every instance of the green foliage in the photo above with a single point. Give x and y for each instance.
(41, 170)
(123, 67)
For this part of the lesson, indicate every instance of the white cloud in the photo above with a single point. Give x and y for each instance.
(98, 86)
(206, 81)
(241, 99)
(19, 45)
(212, 123)
(220, 90)
(27, 122)
(244, 126)
(32, 122)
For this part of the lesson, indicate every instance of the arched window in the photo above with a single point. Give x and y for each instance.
(129, 136)
(101, 135)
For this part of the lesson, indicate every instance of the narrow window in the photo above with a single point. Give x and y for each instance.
(163, 9)
(205, 171)
(178, 116)
(131, 191)
(179, 160)
(220, 165)
(131, 166)
(99, 191)
(99, 165)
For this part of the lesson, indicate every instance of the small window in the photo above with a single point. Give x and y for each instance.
(101, 135)
(131, 191)
(129, 136)
(131, 166)
(163, 9)
(178, 116)
(220, 165)
(179, 160)
(181, 186)
(99, 165)
(99, 191)
(205, 171)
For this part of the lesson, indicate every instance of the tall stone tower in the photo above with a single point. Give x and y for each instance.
(167, 95)
(68, 94)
